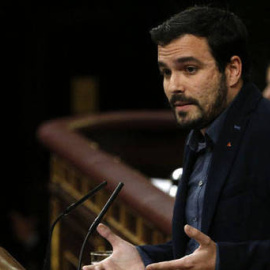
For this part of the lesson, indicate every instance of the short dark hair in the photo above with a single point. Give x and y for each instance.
(226, 34)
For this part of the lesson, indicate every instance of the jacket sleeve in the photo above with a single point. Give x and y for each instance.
(156, 253)
(253, 255)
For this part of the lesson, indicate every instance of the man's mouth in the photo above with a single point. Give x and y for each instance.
(182, 103)
(181, 106)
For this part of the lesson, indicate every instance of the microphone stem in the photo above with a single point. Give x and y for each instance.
(98, 219)
(47, 262)
(92, 228)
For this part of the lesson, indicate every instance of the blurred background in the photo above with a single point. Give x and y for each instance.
(61, 58)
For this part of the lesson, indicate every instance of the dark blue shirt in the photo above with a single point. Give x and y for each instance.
(203, 146)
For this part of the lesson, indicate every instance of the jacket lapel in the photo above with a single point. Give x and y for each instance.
(226, 149)
(179, 218)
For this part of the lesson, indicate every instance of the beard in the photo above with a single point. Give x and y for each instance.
(205, 115)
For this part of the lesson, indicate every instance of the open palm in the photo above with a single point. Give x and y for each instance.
(124, 256)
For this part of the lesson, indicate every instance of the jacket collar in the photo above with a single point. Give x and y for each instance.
(227, 147)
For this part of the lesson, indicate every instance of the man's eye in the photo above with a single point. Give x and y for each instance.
(191, 69)
(165, 72)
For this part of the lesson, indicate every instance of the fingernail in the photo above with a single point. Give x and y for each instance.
(101, 227)
(188, 228)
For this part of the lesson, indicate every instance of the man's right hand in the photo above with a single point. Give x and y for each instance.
(124, 256)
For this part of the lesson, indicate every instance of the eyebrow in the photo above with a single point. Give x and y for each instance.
(182, 60)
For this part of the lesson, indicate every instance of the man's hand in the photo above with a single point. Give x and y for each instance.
(203, 258)
(125, 255)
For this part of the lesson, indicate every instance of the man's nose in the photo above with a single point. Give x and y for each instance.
(176, 83)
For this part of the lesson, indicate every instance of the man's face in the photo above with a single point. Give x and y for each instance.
(195, 88)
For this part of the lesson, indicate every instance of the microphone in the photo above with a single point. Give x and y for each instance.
(98, 219)
(70, 208)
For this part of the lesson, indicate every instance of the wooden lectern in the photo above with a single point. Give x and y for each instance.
(7, 262)
(126, 146)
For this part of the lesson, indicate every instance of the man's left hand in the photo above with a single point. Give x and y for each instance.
(203, 258)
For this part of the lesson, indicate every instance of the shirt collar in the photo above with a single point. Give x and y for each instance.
(196, 141)
(214, 129)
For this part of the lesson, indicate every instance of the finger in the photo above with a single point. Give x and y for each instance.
(89, 267)
(168, 265)
(105, 232)
(98, 267)
(92, 267)
(197, 235)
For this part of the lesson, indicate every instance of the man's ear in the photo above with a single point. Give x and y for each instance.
(234, 71)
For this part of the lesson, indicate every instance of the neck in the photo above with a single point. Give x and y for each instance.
(233, 91)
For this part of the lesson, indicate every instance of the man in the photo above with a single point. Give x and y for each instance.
(224, 193)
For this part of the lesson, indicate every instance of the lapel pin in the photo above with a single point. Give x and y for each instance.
(237, 127)
(229, 144)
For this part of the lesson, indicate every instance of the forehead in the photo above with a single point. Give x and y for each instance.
(185, 46)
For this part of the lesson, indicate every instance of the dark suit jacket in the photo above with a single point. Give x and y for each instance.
(236, 213)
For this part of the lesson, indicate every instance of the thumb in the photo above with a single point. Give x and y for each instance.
(106, 233)
(197, 235)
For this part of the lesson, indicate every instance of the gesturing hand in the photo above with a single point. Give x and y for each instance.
(125, 255)
(203, 258)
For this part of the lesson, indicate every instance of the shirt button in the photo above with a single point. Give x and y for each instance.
(200, 183)
(195, 219)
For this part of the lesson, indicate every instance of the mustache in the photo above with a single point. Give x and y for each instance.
(181, 98)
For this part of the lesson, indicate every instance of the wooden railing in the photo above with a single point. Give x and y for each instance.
(128, 147)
